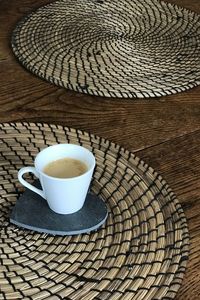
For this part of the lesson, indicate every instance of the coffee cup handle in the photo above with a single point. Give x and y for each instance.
(24, 170)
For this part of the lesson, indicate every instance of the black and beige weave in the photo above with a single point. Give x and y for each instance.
(112, 48)
(140, 253)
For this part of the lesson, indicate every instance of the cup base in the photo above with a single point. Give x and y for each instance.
(32, 212)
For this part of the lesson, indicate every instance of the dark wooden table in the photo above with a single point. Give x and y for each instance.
(165, 132)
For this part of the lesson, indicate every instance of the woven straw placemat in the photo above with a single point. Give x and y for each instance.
(112, 48)
(139, 253)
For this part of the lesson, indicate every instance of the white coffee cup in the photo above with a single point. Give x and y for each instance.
(64, 195)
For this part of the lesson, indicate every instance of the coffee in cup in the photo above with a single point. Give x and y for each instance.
(65, 168)
(65, 172)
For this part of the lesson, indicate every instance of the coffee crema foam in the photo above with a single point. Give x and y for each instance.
(65, 168)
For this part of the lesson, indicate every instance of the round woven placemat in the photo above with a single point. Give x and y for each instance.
(112, 48)
(139, 253)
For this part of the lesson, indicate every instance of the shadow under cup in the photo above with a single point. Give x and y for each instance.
(64, 195)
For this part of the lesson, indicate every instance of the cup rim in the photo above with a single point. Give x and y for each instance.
(70, 178)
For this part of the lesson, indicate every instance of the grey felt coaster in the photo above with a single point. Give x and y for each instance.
(32, 212)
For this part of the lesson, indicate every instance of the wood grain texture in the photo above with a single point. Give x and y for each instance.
(165, 131)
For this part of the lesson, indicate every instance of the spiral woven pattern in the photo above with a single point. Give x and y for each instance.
(139, 253)
(112, 48)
